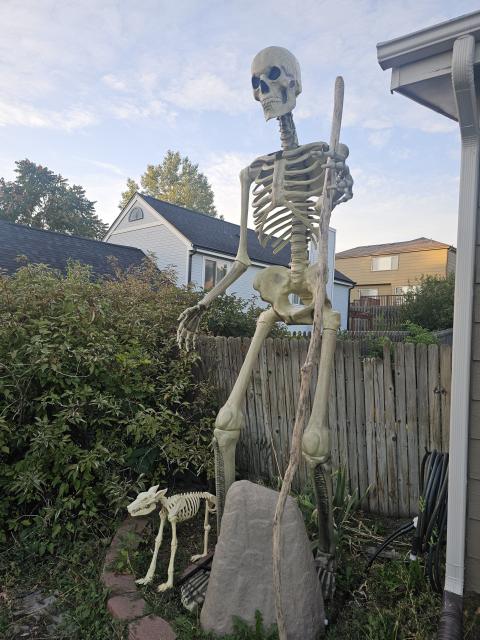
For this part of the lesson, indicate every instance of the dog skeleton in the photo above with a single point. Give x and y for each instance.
(179, 508)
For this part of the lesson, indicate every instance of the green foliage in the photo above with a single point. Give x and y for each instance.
(418, 334)
(230, 315)
(431, 305)
(374, 346)
(177, 180)
(42, 199)
(95, 400)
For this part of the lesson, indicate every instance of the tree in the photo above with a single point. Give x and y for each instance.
(177, 180)
(431, 305)
(42, 199)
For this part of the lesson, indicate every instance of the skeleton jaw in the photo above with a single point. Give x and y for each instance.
(272, 108)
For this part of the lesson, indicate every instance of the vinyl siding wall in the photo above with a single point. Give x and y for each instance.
(472, 560)
(411, 266)
(167, 248)
(243, 287)
(148, 217)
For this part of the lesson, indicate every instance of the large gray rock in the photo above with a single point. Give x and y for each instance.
(241, 579)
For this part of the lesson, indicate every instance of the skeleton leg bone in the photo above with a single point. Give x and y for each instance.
(173, 551)
(316, 450)
(206, 528)
(158, 543)
(230, 418)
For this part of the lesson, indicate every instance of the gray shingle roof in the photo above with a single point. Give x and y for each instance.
(208, 233)
(56, 249)
(418, 244)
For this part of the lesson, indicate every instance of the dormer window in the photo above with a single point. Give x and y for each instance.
(135, 214)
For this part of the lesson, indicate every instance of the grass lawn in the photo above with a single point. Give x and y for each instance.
(393, 602)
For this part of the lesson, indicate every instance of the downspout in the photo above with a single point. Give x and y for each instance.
(464, 90)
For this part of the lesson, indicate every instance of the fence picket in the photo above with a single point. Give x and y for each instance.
(402, 435)
(445, 383)
(390, 432)
(368, 374)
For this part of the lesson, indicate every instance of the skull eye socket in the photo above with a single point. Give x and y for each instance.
(274, 73)
(255, 82)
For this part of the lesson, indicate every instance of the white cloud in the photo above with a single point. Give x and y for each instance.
(223, 173)
(18, 114)
(379, 138)
(114, 82)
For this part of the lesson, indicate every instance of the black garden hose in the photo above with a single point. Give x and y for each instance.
(431, 524)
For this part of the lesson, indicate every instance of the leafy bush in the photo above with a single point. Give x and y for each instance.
(431, 305)
(418, 334)
(230, 315)
(95, 399)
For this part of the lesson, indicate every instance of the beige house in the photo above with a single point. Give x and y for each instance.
(393, 269)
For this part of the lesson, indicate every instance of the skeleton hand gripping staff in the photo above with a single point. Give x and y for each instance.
(287, 187)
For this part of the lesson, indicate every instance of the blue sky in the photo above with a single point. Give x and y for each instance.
(96, 91)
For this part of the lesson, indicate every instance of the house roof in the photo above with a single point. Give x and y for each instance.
(213, 234)
(418, 244)
(56, 249)
(341, 277)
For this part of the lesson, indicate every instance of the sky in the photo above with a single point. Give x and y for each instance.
(95, 91)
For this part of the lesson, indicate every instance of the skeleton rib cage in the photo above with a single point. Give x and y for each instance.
(287, 187)
(189, 504)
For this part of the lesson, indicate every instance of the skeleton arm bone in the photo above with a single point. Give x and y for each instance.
(189, 320)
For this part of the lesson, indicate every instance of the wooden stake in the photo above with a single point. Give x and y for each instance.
(325, 206)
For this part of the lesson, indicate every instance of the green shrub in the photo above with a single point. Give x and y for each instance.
(230, 315)
(431, 304)
(418, 334)
(95, 399)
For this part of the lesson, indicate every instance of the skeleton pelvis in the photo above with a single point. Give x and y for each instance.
(274, 284)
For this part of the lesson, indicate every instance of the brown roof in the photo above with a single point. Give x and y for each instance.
(419, 244)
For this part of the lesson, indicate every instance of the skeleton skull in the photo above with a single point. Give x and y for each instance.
(276, 81)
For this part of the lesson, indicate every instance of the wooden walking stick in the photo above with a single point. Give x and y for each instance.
(324, 204)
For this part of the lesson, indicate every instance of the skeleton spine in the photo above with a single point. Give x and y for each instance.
(299, 237)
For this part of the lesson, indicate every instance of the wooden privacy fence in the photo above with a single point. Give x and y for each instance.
(383, 413)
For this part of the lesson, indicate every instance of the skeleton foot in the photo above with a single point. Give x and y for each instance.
(145, 580)
(164, 587)
(198, 556)
(326, 567)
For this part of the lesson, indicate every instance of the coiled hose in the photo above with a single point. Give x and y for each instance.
(430, 526)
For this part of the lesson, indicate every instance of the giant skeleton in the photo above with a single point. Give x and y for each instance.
(288, 187)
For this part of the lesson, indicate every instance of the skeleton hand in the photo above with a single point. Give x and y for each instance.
(342, 182)
(189, 321)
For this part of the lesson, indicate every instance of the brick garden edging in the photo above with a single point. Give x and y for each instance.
(125, 602)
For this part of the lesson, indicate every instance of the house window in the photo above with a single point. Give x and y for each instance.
(215, 270)
(135, 214)
(368, 293)
(384, 263)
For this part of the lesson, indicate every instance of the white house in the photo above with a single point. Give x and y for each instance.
(202, 248)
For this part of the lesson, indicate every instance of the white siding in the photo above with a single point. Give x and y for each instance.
(331, 260)
(340, 302)
(167, 248)
(243, 287)
(148, 217)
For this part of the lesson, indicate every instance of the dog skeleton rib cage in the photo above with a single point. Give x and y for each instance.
(287, 189)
